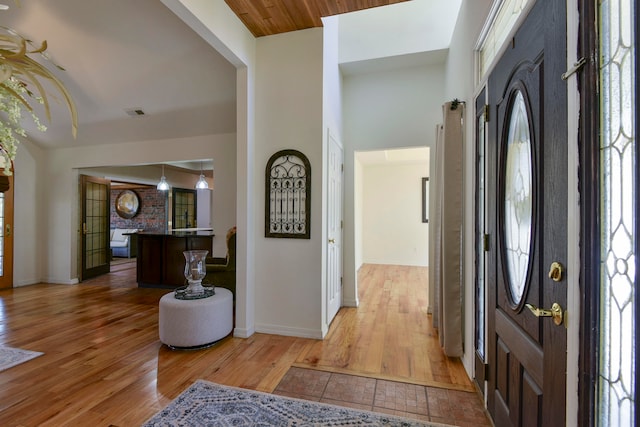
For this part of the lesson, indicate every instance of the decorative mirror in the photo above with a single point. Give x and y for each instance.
(127, 204)
(288, 195)
(518, 199)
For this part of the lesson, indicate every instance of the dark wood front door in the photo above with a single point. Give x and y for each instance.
(527, 207)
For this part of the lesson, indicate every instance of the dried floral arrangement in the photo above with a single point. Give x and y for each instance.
(22, 82)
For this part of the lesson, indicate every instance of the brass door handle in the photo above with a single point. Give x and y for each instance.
(555, 272)
(556, 312)
(332, 240)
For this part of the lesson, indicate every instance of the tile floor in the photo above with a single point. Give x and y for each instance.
(451, 407)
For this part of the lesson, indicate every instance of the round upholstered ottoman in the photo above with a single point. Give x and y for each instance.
(195, 323)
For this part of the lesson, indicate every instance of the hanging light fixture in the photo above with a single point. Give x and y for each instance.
(163, 185)
(202, 183)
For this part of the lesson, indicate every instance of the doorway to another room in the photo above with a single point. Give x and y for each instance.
(391, 227)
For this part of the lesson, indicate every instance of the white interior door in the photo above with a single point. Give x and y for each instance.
(334, 229)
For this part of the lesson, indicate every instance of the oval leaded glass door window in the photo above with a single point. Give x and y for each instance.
(518, 199)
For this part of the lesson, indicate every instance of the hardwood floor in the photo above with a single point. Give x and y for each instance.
(390, 335)
(103, 364)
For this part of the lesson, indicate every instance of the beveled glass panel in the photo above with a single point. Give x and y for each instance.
(481, 230)
(502, 23)
(518, 194)
(618, 174)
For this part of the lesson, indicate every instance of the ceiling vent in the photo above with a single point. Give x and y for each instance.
(134, 112)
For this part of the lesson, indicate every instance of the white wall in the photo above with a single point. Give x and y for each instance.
(289, 113)
(30, 183)
(203, 215)
(398, 29)
(460, 84)
(356, 241)
(214, 21)
(390, 109)
(392, 227)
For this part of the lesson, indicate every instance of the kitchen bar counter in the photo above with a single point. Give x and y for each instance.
(160, 261)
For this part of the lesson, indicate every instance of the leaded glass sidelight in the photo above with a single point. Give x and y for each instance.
(618, 169)
(481, 231)
(518, 194)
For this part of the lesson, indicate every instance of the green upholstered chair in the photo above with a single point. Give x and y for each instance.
(221, 272)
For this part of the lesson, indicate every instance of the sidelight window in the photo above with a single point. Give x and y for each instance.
(618, 178)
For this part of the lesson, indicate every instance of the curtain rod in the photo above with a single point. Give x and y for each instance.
(455, 103)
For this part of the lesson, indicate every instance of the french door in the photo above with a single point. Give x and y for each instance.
(96, 252)
(526, 214)
(6, 236)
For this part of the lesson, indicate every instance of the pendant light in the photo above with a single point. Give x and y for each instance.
(202, 183)
(163, 185)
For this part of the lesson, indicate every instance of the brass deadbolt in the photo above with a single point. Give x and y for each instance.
(555, 272)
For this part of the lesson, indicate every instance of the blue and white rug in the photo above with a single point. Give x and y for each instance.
(10, 356)
(209, 404)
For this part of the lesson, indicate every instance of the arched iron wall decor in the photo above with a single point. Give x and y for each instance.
(288, 195)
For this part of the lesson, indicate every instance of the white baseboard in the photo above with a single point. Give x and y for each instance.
(350, 303)
(289, 331)
(58, 281)
(28, 282)
(243, 332)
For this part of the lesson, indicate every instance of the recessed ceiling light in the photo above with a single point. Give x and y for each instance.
(4, 7)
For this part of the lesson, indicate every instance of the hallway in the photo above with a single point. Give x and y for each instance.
(390, 335)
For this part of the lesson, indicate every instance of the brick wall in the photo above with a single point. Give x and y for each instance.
(152, 215)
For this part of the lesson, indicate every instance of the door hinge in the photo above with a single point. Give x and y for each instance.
(486, 113)
(342, 167)
(340, 280)
(486, 371)
(341, 224)
(485, 242)
(575, 68)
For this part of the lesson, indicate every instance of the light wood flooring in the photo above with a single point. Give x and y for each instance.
(104, 365)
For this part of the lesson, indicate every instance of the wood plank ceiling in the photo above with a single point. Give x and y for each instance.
(268, 17)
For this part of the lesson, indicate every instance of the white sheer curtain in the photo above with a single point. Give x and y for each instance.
(445, 230)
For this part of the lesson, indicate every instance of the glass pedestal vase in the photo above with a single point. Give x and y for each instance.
(195, 270)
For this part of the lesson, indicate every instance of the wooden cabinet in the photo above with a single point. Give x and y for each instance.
(160, 259)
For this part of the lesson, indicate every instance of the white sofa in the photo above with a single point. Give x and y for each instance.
(124, 242)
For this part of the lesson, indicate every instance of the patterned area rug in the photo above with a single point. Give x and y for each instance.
(209, 404)
(10, 357)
